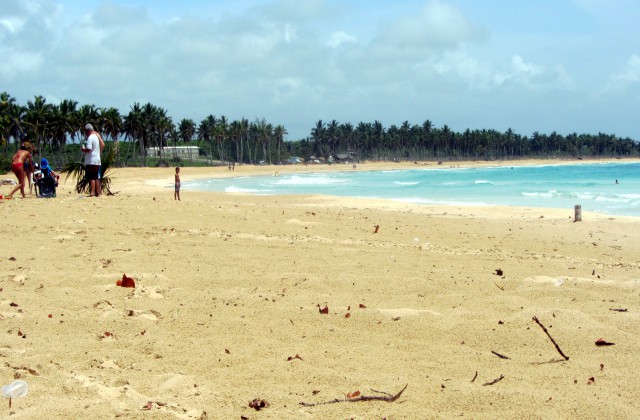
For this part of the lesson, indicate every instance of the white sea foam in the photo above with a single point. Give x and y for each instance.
(483, 181)
(630, 196)
(234, 189)
(611, 199)
(405, 183)
(304, 180)
(537, 194)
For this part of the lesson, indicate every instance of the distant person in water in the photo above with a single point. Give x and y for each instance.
(176, 194)
(617, 181)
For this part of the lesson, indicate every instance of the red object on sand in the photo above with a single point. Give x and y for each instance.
(126, 281)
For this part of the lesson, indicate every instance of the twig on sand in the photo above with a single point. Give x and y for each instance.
(388, 398)
(474, 377)
(502, 356)
(495, 381)
(498, 286)
(535, 318)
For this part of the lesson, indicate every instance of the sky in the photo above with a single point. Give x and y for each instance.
(529, 65)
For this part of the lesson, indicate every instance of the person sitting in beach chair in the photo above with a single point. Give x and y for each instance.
(47, 180)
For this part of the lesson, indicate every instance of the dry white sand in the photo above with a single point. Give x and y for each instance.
(228, 290)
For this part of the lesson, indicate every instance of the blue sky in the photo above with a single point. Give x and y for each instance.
(544, 65)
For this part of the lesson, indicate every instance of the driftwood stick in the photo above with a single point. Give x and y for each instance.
(381, 392)
(495, 381)
(474, 377)
(502, 356)
(535, 318)
(389, 398)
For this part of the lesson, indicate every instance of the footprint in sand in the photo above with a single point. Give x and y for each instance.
(19, 278)
(126, 399)
(107, 308)
(152, 292)
(148, 314)
(106, 392)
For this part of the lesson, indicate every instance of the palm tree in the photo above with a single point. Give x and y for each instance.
(279, 133)
(111, 125)
(244, 128)
(161, 125)
(149, 126)
(318, 136)
(63, 124)
(332, 136)
(222, 131)
(206, 131)
(11, 117)
(363, 138)
(87, 114)
(268, 139)
(186, 131)
(378, 133)
(166, 128)
(235, 133)
(346, 134)
(133, 127)
(37, 118)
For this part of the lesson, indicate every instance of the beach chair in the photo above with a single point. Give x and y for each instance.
(46, 187)
(47, 181)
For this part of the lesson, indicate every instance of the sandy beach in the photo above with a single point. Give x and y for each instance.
(230, 291)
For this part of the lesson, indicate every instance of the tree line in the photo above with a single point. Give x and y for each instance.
(53, 127)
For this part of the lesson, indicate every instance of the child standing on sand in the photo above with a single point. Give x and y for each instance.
(176, 194)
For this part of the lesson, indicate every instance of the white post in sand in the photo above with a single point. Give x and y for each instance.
(578, 213)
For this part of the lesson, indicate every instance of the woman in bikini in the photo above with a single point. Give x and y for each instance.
(22, 157)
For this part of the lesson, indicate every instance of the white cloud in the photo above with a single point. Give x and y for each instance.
(336, 39)
(460, 64)
(438, 27)
(483, 74)
(630, 72)
(19, 64)
(11, 24)
(619, 82)
(289, 33)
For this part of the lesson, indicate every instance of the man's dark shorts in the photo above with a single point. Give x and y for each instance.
(92, 172)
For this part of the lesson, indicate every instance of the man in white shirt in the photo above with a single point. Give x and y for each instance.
(92, 160)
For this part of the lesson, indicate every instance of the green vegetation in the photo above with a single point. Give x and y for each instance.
(56, 131)
(76, 170)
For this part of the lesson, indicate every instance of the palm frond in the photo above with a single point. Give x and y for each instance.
(76, 170)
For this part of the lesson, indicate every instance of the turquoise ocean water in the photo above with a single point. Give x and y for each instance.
(593, 186)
